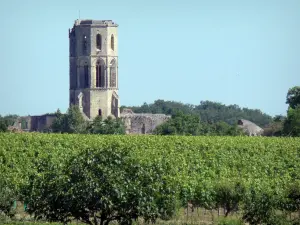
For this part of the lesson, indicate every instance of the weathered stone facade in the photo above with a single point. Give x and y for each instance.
(35, 123)
(94, 67)
(142, 123)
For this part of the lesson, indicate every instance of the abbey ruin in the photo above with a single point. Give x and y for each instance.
(93, 79)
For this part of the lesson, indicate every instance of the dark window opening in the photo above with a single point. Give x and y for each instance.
(99, 41)
(112, 42)
(143, 129)
(99, 112)
(84, 43)
(86, 76)
(99, 76)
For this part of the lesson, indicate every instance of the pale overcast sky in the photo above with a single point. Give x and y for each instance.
(233, 52)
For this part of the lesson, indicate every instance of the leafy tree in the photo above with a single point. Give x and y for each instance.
(224, 129)
(6, 121)
(107, 126)
(293, 97)
(101, 186)
(292, 203)
(190, 124)
(180, 124)
(7, 196)
(291, 125)
(71, 122)
(261, 206)
(3, 125)
(275, 128)
(229, 195)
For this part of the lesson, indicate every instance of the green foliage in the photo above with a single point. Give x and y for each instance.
(291, 125)
(221, 128)
(275, 128)
(260, 207)
(7, 197)
(229, 221)
(107, 126)
(189, 124)
(104, 184)
(71, 122)
(67, 176)
(180, 124)
(3, 126)
(292, 203)
(293, 97)
(229, 195)
(7, 121)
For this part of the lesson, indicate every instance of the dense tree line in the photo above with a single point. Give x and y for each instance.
(190, 124)
(207, 111)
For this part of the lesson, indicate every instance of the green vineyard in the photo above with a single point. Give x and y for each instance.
(99, 179)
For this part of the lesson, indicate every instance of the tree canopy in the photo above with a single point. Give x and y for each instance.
(190, 124)
(6, 121)
(71, 122)
(74, 122)
(107, 126)
(291, 125)
(293, 97)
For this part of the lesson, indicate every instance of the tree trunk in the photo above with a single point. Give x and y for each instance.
(95, 219)
(106, 222)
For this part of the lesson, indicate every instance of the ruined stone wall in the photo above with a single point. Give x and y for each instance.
(142, 123)
(38, 123)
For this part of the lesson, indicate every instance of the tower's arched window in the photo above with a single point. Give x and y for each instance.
(113, 74)
(86, 76)
(99, 41)
(99, 112)
(112, 42)
(100, 82)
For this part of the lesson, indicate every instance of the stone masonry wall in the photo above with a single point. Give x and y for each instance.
(142, 123)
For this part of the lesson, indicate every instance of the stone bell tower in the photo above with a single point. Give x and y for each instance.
(94, 67)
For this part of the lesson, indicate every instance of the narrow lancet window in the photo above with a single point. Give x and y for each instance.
(99, 76)
(86, 76)
(99, 41)
(84, 43)
(112, 42)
